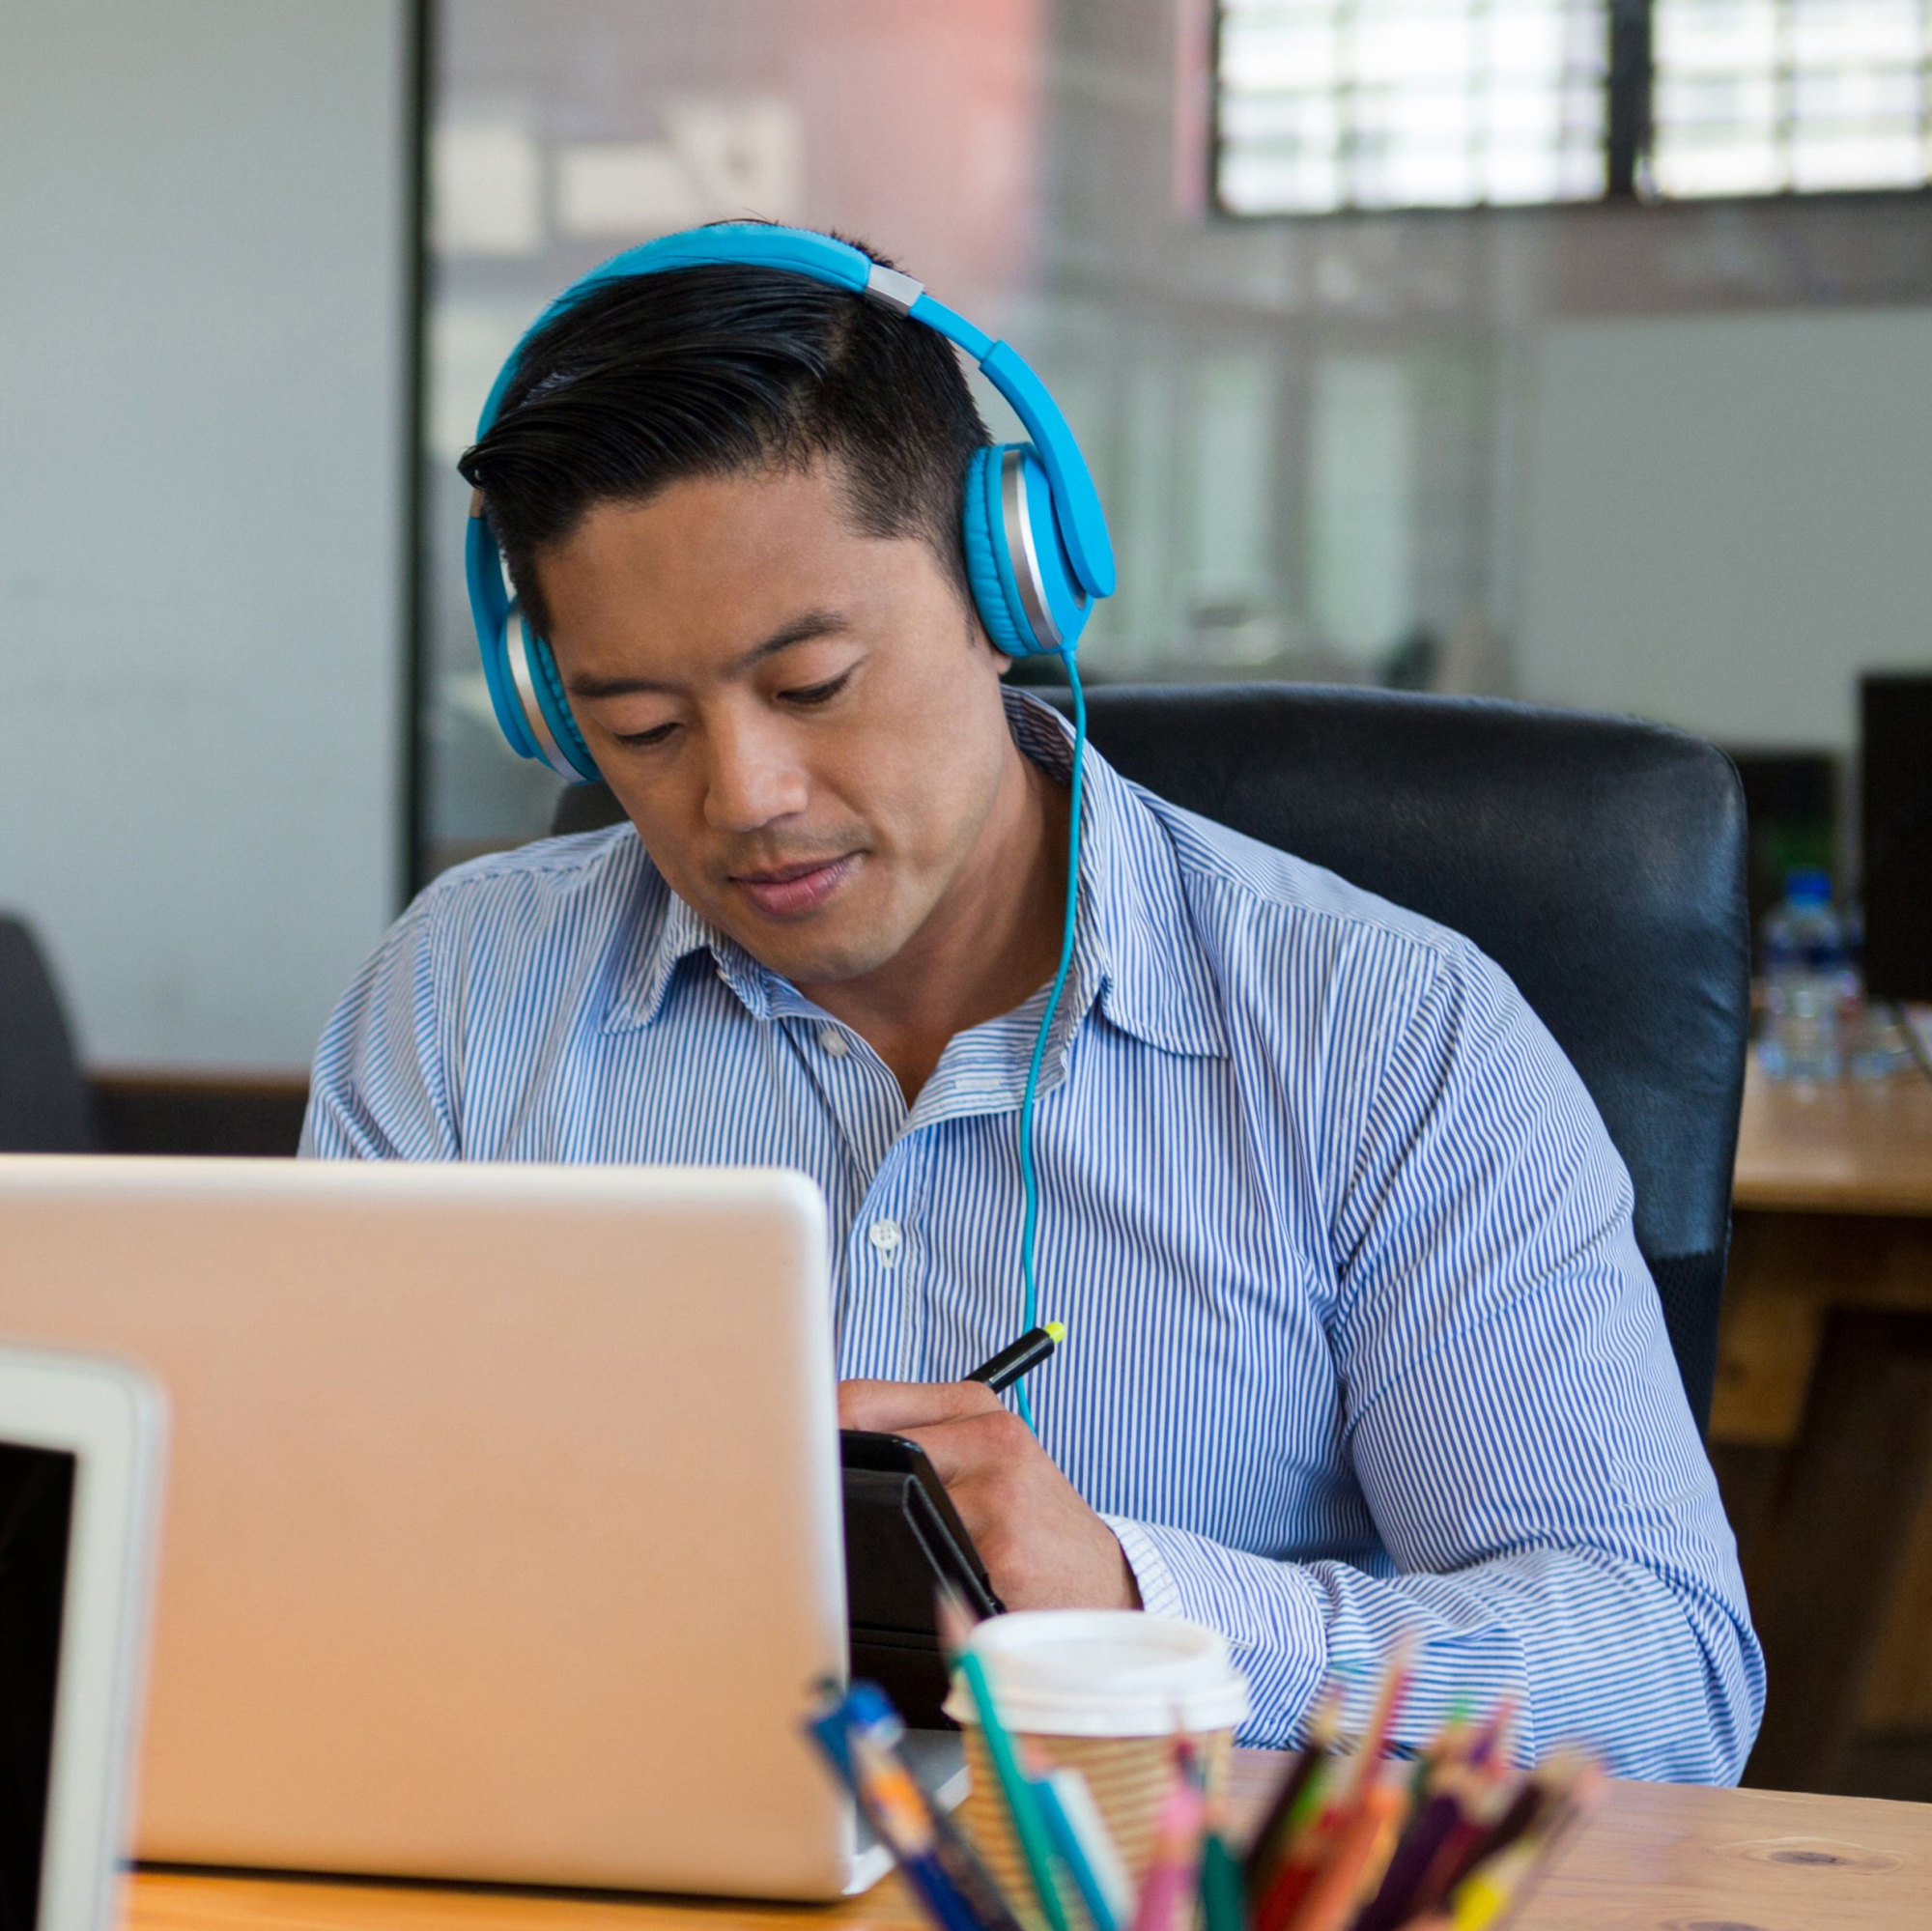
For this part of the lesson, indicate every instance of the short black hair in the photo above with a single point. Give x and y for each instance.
(721, 368)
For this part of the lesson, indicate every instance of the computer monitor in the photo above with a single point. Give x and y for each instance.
(1791, 816)
(1895, 835)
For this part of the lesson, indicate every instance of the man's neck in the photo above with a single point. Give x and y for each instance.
(989, 947)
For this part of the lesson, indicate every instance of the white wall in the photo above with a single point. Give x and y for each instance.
(202, 330)
(1727, 517)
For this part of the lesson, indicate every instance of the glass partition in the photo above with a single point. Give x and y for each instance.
(1352, 446)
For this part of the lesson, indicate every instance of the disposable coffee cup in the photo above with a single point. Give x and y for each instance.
(1103, 1691)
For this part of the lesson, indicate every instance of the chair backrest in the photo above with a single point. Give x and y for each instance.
(1600, 860)
(44, 1105)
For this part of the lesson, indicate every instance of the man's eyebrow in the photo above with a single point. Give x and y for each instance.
(801, 629)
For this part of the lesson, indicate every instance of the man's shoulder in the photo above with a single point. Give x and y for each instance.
(578, 883)
(1235, 886)
(1326, 972)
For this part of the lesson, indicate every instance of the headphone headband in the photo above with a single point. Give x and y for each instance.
(823, 258)
(1069, 528)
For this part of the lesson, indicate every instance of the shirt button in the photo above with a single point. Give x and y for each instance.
(833, 1042)
(885, 1237)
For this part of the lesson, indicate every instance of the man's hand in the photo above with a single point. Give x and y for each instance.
(1043, 1546)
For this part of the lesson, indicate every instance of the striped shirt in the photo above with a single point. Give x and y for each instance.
(1361, 1346)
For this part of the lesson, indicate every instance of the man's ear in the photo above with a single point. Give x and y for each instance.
(978, 639)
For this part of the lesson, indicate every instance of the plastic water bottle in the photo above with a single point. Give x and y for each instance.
(1805, 982)
(1871, 1033)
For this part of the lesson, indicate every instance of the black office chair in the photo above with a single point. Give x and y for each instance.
(1600, 862)
(44, 1105)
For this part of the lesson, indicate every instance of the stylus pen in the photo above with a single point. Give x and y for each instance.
(1021, 1358)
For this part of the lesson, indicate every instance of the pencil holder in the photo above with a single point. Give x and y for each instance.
(1129, 1777)
(1103, 1692)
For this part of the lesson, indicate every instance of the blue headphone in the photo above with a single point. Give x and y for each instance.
(1037, 558)
(1037, 553)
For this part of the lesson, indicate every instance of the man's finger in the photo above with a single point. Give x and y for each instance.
(897, 1407)
(968, 1448)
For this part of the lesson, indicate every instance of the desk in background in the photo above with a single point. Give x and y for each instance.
(1858, 1146)
(1821, 1425)
(1669, 1856)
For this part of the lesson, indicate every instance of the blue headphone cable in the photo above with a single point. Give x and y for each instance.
(1029, 1175)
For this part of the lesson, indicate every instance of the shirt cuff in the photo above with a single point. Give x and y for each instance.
(1270, 1612)
(1160, 1593)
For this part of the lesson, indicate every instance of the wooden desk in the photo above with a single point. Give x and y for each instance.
(1855, 1147)
(1834, 1205)
(1822, 1420)
(1656, 1855)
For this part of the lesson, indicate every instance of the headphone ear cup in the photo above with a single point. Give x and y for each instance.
(1023, 584)
(556, 707)
(983, 529)
(1053, 585)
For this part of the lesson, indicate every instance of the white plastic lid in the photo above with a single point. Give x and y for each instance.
(1105, 1673)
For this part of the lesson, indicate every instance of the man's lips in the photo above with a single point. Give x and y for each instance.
(788, 890)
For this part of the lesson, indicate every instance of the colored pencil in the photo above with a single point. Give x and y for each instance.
(1022, 1801)
(1286, 1811)
(1494, 1891)
(897, 1824)
(1174, 1871)
(1518, 1818)
(872, 1733)
(1221, 1892)
(1393, 1903)
(1390, 1695)
(1361, 1849)
(1493, 1736)
(1350, 1843)
(873, 1717)
(1086, 1848)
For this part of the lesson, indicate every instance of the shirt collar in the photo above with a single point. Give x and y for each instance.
(666, 935)
(1135, 947)
(1136, 952)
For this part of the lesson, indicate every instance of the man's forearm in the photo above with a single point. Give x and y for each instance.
(1590, 1647)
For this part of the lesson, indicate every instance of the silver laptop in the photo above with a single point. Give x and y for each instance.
(502, 1533)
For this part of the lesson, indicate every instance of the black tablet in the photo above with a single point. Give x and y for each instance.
(905, 1543)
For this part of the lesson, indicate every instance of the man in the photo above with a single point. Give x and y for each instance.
(1361, 1347)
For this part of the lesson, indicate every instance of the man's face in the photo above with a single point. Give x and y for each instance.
(802, 722)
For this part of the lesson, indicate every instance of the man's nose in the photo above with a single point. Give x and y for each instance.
(752, 778)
